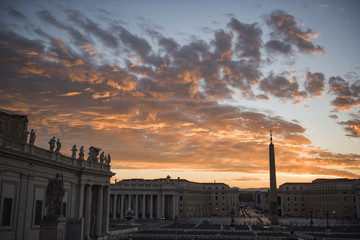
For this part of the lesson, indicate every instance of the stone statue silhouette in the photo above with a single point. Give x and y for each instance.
(58, 146)
(109, 159)
(52, 143)
(32, 137)
(73, 150)
(81, 153)
(93, 153)
(102, 157)
(54, 196)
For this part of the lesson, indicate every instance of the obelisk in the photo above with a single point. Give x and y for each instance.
(273, 191)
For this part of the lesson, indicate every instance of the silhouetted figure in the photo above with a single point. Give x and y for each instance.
(58, 146)
(52, 143)
(81, 153)
(102, 158)
(73, 150)
(32, 137)
(93, 153)
(109, 159)
(54, 196)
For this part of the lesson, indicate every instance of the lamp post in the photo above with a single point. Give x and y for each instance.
(327, 218)
(311, 213)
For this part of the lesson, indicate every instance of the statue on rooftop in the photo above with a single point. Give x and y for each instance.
(58, 146)
(109, 159)
(102, 157)
(25, 134)
(81, 153)
(73, 150)
(32, 137)
(93, 153)
(52, 144)
(54, 196)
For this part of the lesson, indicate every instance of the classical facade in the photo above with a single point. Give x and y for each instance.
(321, 198)
(332, 198)
(171, 198)
(25, 170)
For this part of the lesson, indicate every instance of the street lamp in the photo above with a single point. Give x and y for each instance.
(311, 213)
(327, 218)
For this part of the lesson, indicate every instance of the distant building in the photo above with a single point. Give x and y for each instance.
(333, 198)
(25, 170)
(262, 199)
(170, 198)
(13, 126)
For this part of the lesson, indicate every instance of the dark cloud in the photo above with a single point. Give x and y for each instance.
(16, 14)
(333, 116)
(223, 46)
(91, 27)
(135, 43)
(168, 44)
(347, 93)
(281, 87)
(47, 17)
(352, 127)
(285, 29)
(315, 83)
(248, 42)
(275, 46)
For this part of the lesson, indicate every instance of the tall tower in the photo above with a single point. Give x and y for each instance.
(273, 190)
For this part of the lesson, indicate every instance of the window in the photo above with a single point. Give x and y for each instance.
(7, 126)
(64, 208)
(38, 212)
(6, 216)
(20, 129)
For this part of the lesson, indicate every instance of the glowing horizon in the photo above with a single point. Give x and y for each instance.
(191, 97)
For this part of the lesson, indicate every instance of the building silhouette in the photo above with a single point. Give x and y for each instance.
(25, 170)
(171, 198)
(321, 198)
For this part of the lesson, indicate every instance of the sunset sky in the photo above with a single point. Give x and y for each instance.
(191, 88)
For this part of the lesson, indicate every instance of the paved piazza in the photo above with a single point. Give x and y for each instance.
(249, 225)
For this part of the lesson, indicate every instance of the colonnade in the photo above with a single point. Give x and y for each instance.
(96, 210)
(144, 205)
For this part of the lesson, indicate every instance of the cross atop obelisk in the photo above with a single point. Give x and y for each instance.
(273, 189)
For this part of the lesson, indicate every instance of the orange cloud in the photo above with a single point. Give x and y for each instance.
(70, 94)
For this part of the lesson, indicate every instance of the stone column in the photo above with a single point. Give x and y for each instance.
(151, 206)
(23, 204)
(80, 200)
(136, 206)
(114, 206)
(162, 205)
(105, 213)
(158, 206)
(143, 206)
(129, 201)
(122, 206)
(99, 209)
(87, 211)
(173, 206)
